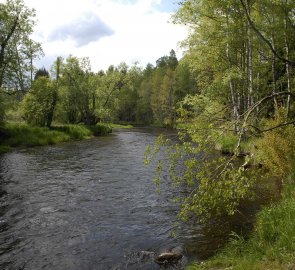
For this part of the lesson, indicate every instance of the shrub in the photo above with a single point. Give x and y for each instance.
(100, 129)
(227, 143)
(276, 148)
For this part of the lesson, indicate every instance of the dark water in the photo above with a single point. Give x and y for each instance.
(90, 205)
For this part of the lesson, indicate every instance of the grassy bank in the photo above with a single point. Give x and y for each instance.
(16, 134)
(123, 126)
(271, 245)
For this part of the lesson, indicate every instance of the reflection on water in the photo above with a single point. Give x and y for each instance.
(90, 205)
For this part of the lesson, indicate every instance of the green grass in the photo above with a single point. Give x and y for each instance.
(100, 129)
(271, 245)
(24, 135)
(75, 132)
(4, 149)
(127, 126)
(19, 134)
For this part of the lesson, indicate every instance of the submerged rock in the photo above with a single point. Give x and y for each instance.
(168, 258)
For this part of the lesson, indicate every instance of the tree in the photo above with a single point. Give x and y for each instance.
(144, 113)
(39, 103)
(128, 95)
(1, 109)
(110, 86)
(17, 49)
(42, 72)
(243, 58)
(77, 90)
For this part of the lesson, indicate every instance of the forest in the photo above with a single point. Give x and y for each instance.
(70, 92)
(232, 91)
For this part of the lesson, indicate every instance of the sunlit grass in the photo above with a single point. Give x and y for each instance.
(124, 126)
(24, 135)
(19, 134)
(271, 245)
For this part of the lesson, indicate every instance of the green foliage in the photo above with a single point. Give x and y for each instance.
(276, 148)
(217, 184)
(4, 149)
(224, 49)
(271, 245)
(77, 91)
(120, 125)
(227, 143)
(100, 129)
(18, 50)
(42, 72)
(23, 135)
(17, 134)
(2, 112)
(39, 103)
(75, 132)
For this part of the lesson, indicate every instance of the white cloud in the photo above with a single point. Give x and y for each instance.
(106, 31)
(87, 29)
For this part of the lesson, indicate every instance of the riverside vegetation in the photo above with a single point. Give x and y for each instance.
(233, 90)
(18, 134)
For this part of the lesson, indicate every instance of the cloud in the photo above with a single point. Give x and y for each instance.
(89, 28)
(107, 31)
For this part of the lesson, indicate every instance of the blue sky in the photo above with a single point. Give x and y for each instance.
(107, 31)
(164, 5)
(168, 5)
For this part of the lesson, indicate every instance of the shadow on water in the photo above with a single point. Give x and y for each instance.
(92, 205)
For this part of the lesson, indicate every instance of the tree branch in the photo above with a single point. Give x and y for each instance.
(264, 39)
(275, 127)
(250, 111)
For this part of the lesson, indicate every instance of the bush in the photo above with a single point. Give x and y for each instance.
(100, 129)
(227, 143)
(276, 148)
(39, 103)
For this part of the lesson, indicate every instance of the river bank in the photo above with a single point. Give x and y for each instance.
(19, 134)
(270, 246)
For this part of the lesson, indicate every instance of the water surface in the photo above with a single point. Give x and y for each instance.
(90, 205)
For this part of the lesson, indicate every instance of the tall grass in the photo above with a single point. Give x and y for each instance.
(17, 134)
(100, 129)
(24, 135)
(271, 245)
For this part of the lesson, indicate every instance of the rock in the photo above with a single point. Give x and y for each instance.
(170, 257)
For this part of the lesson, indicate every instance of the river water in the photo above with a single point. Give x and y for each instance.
(91, 205)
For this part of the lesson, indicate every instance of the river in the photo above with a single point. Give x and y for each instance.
(90, 205)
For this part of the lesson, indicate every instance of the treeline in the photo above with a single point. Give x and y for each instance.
(70, 92)
(239, 62)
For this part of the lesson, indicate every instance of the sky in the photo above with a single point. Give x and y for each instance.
(107, 31)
